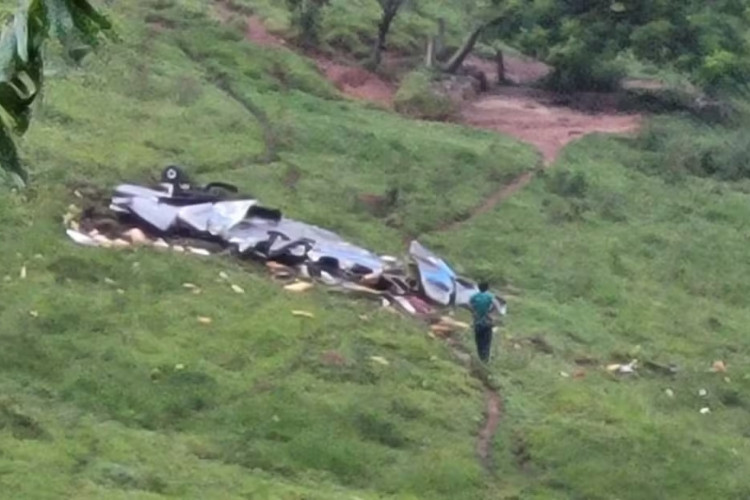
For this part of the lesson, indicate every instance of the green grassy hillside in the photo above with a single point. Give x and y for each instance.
(111, 388)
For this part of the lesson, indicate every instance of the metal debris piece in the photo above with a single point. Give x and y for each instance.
(300, 286)
(81, 238)
(719, 367)
(303, 314)
(216, 213)
(620, 369)
(380, 360)
(199, 251)
(136, 236)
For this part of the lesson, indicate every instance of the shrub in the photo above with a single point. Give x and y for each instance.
(417, 97)
(681, 147)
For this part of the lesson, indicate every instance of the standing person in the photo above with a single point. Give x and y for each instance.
(482, 304)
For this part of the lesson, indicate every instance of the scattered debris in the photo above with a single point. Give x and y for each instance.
(22, 273)
(705, 411)
(34, 314)
(565, 374)
(190, 286)
(204, 320)
(179, 367)
(238, 289)
(82, 239)
(136, 236)
(217, 214)
(660, 368)
(620, 369)
(199, 251)
(586, 361)
(703, 393)
(300, 286)
(110, 281)
(303, 314)
(669, 393)
(380, 360)
(719, 367)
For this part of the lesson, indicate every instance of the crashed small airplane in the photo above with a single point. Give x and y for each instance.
(217, 213)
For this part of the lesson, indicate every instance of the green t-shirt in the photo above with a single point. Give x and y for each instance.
(481, 305)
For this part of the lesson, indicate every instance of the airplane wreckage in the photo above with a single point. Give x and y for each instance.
(292, 250)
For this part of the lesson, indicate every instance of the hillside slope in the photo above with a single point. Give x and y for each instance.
(112, 388)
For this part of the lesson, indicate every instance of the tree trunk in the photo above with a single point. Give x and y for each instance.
(429, 60)
(384, 26)
(440, 40)
(500, 60)
(457, 60)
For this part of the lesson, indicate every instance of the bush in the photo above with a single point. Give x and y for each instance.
(577, 69)
(418, 97)
(681, 147)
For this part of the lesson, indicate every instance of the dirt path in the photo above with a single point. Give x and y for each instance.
(533, 117)
(493, 413)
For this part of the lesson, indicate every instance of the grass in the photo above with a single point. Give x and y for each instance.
(349, 26)
(111, 388)
(635, 269)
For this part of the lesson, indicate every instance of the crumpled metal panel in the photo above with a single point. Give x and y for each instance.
(263, 233)
(437, 279)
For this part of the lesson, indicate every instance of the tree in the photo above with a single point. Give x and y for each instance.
(583, 39)
(390, 8)
(489, 14)
(306, 19)
(76, 24)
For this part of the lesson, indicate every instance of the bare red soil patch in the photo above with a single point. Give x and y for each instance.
(531, 116)
(493, 414)
(356, 82)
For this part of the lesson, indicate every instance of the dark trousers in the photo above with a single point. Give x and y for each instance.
(483, 336)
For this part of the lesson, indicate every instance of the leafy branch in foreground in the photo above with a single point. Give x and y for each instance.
(77, 24)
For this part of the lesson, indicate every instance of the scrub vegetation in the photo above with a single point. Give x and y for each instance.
(626, 248)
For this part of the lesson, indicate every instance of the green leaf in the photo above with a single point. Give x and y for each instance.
(9, 159)
(22, 63)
